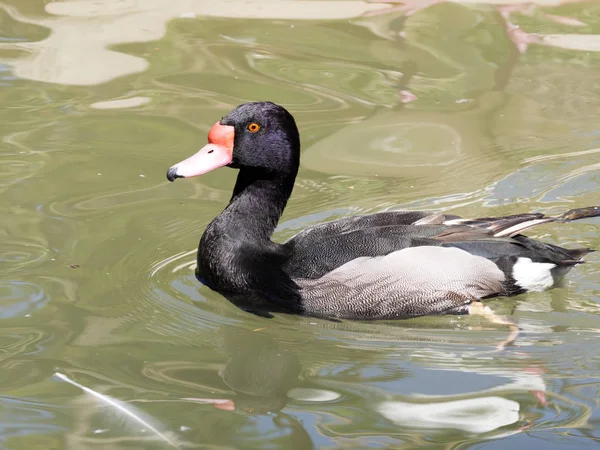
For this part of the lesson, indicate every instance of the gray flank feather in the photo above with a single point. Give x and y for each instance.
(407, 283)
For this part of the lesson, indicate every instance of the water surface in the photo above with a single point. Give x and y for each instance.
(476, 109)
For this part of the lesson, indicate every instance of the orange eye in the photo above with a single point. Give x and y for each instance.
(253, 127)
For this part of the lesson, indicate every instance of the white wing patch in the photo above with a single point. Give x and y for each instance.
(533, 276)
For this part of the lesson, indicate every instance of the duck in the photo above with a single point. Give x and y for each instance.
(381, 266)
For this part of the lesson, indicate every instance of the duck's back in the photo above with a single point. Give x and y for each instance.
(322, 248)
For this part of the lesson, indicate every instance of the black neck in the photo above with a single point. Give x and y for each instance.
(258, 200)
(236, 255)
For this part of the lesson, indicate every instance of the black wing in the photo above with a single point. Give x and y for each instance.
(322, 248)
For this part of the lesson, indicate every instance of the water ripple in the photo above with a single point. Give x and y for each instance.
(27, 417)
(16, 255)
(19, 298)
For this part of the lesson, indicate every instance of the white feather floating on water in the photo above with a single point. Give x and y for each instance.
(118, 405)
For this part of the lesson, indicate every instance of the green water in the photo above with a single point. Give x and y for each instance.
(437, 107)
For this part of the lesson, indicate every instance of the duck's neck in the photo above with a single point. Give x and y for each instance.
(258, 200)
(236, 255)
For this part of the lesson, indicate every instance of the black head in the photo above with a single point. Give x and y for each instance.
(260, 135)
(266, 137)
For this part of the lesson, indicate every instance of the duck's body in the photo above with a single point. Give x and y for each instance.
(388, 265)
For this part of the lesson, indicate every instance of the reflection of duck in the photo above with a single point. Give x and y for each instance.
(261, 372)
(480, 410)
(270, 386)
(380, 266)
(492, 413)
(474, 412)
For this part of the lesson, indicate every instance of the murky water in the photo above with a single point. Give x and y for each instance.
(107, 340)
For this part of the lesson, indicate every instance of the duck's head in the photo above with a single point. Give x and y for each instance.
(260, 135)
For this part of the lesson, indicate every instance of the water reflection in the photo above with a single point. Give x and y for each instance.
(21, 418)
(260, 372)
(273, 391)
(122, 415)
(88, 60)
(20, 299)
(390, 144)
(418, 104)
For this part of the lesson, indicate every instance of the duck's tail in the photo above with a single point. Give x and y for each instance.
(579, 213)
(509, 226)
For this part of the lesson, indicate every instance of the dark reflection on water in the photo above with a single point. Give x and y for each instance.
(476, 108)
(301, 397)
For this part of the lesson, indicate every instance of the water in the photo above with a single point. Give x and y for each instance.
(107, 340)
